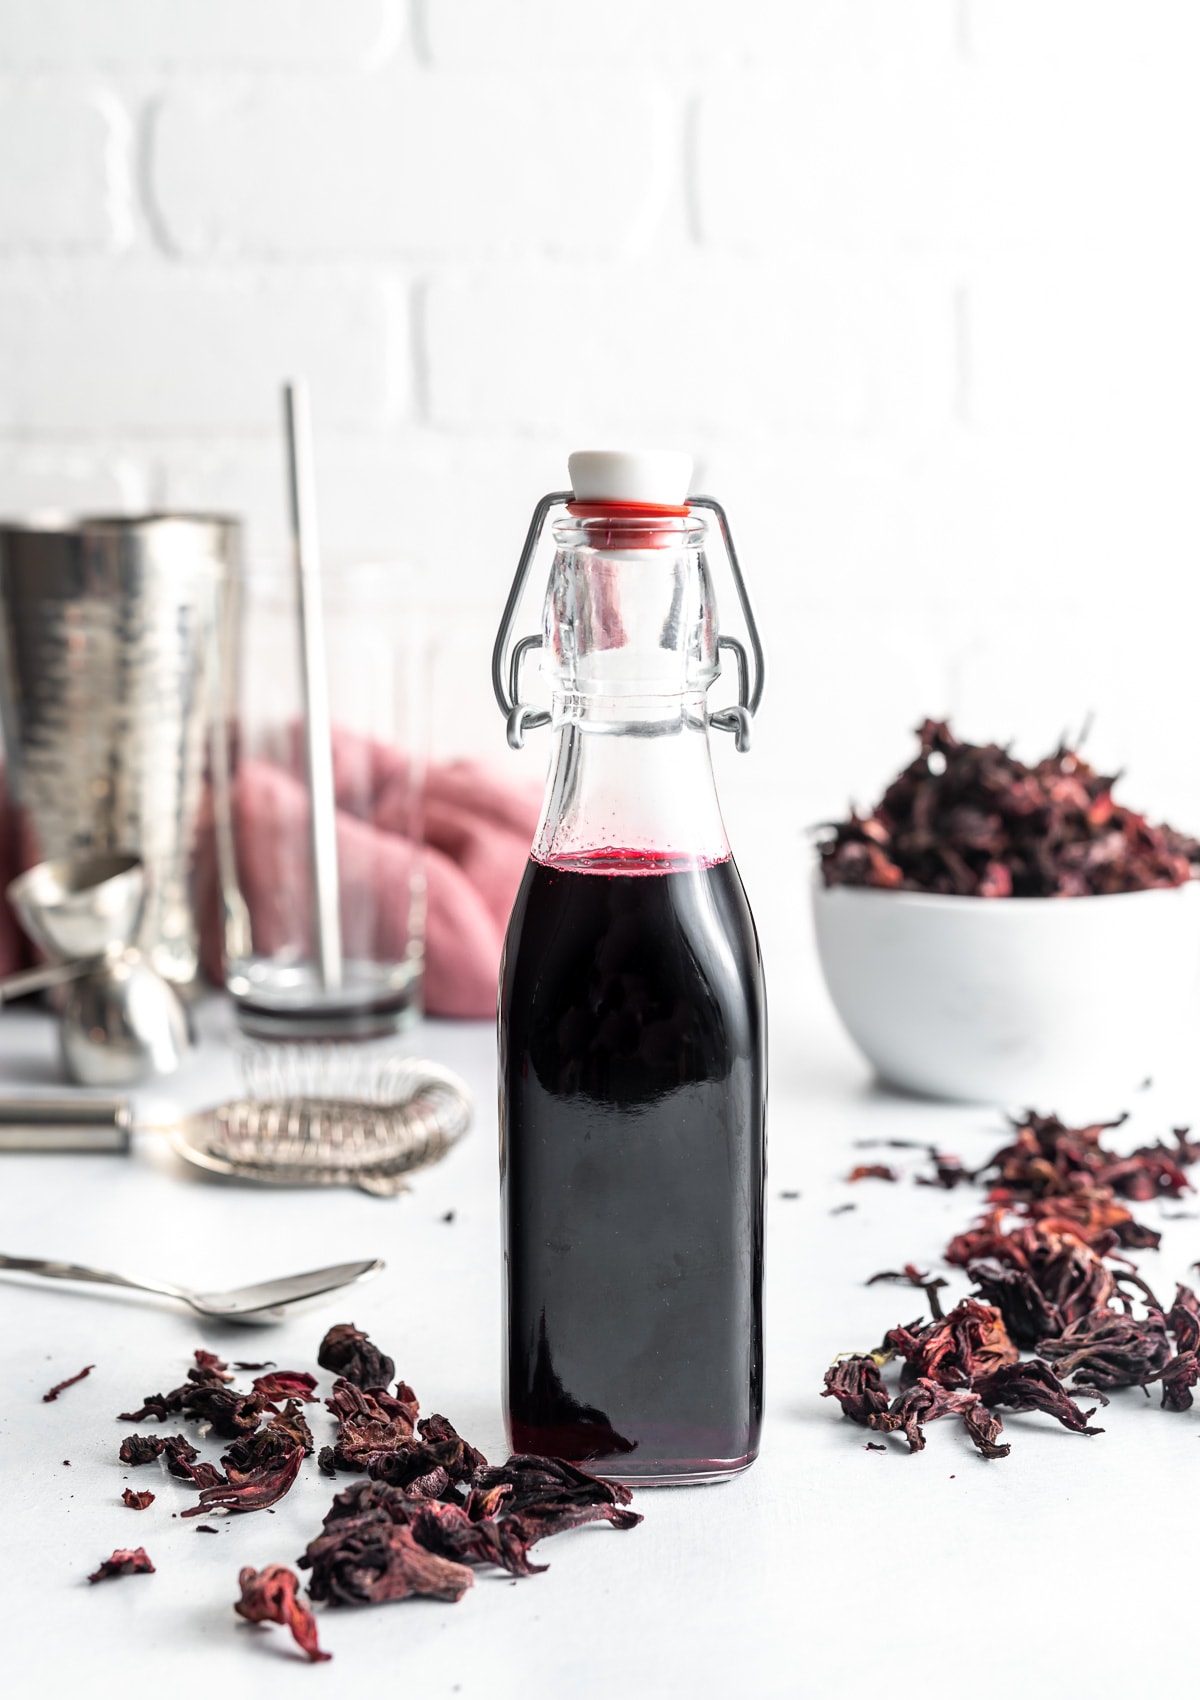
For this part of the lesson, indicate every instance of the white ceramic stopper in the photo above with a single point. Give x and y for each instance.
(661, 476)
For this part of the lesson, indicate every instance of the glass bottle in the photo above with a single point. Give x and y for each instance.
(632, 1017)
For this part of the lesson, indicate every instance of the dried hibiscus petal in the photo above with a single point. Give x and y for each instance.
(948, 1171)
(161, 1406)
(286, 1384)
(872, 1172)
(269, 1596)
(61, 1386)
(126, 1561)
(137, 1501)
(209, 1363)
(349, 1354)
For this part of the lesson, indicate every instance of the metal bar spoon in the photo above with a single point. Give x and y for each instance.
(322, 818)
(263, 1302)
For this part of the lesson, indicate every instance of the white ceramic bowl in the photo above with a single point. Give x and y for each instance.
(1024, 1001)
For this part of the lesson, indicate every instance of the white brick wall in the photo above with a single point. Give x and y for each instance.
(917, 281)
(423, 167)
(199, 33)
(152, 350)
(65, 181)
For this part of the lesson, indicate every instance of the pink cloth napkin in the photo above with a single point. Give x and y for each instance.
(477, 832)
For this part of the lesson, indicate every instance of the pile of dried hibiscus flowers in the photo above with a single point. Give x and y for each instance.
(1050, 1275)
(428, 1509)
(970, 820)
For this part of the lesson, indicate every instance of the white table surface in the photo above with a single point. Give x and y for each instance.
(825, 1570)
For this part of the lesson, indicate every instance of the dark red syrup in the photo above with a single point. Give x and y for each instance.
(633, 1099)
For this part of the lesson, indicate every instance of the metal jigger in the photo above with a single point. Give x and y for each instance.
(121, 1021)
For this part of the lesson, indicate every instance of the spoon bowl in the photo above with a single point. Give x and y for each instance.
(264, 1301)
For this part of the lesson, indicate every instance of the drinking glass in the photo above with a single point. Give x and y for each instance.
(375, 640)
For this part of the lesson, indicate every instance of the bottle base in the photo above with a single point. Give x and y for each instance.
(683, 1473)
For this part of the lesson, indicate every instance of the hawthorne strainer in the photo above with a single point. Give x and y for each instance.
(406, 1115)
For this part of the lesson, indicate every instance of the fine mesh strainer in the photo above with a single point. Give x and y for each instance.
(326, 1115)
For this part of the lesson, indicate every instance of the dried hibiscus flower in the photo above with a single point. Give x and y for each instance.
(531, 1483)
(856, 1384)
(269, 1596)
(427, 1467)
(1178, 1377)
(369, 1559)
(126, 1561)
(972, 820)
(181, 1458)
(383, 1542)
(231, 1414)
(369, 1422)
(1183, 1319)
(292, 1421)
(971, 1341)
(140, 1448)
(1041, 1279)
(259, 1470)
(208, 1378)
(1033, 1386)
(1108, 1349)
(926, 1400)
(1044, 1262)
(349, 1354)
(137, 1501)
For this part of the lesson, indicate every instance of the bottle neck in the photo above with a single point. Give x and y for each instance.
(630, 650)
(631, 786)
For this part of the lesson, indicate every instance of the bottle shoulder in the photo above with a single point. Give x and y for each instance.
(668, 926)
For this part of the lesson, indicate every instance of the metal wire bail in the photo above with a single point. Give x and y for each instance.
(522, 717)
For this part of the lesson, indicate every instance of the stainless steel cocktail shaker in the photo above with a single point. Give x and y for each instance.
(111, 632)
